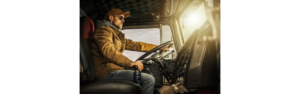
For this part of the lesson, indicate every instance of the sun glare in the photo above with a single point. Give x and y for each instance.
(193, 21)
(194, 17)
(197, 16)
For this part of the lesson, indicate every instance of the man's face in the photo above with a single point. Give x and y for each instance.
(118, 20)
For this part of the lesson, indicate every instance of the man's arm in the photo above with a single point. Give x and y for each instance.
(138, 46)
(141, 46)
(103, 39)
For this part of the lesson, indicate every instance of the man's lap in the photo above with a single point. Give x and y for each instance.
(126, 75)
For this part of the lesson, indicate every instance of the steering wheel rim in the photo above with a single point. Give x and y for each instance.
(153, 50)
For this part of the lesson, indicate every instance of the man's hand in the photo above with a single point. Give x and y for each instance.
(167, 49)
(139, 64)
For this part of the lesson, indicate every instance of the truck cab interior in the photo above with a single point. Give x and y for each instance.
(194, 36)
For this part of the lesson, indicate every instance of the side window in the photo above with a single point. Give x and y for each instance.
(151, 35)
(166, 33)
(167, 36)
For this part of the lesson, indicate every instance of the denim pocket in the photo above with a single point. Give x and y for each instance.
(111, 74)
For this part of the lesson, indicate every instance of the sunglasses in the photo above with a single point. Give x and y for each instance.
(121, 17)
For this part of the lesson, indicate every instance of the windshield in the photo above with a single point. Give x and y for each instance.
(150, 35)
(192, 20)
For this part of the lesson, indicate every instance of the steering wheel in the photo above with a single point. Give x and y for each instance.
(155, 49)
(161, 66)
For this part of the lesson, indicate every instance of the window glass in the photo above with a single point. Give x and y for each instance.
(166, 33)
(167, 36)
(192, 20)
(151, 35)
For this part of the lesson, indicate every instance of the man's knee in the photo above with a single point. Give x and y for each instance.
(149, 78)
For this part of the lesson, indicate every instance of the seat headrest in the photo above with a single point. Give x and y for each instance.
(88, 28)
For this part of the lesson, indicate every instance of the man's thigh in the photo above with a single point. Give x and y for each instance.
(125, 75)
(120, 75)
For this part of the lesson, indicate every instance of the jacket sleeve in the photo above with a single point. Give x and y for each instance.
(138, 46)
(103, 39)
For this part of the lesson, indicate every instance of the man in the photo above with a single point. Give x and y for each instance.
(107, 46)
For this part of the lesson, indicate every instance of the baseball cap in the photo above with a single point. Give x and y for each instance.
(116, 11)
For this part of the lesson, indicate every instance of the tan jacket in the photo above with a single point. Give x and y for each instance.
(107, 47)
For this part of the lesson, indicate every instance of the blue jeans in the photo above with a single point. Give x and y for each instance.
(147, 80)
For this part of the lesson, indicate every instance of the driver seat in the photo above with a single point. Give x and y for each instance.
(88, 84)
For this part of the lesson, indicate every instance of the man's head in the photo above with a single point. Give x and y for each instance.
(116, 17)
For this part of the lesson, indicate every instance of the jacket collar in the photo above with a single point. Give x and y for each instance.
(116, 29)
(100, 23)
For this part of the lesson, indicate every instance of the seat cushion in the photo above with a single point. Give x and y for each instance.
(111, 87)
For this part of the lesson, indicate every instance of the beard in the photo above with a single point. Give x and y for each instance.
(120, 26)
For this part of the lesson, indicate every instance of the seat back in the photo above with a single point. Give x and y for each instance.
(198, 59)
(86, 60)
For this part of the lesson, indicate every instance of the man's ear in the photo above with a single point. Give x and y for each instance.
(111, 18)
